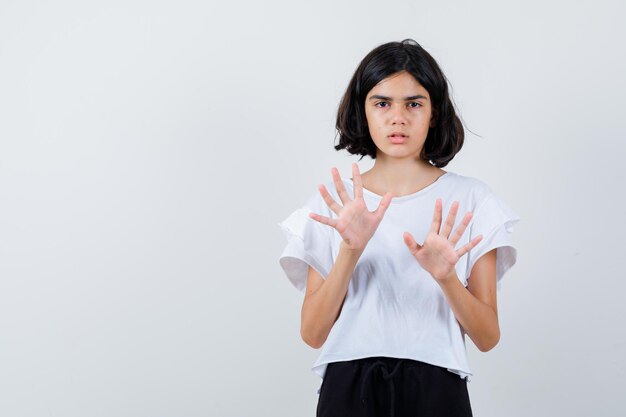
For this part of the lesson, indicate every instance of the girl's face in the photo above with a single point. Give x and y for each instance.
(399, 114)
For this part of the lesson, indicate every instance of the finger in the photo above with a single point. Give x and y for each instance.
(468, 246)
(383, 205)
(341, 190)
(447, 227)
(434, 227)
(330, 202)
(461, 228)
(413, 246)
(356, 179)
(323, 219)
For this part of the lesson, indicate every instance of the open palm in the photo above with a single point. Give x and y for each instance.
(438, 255)
(354, 222)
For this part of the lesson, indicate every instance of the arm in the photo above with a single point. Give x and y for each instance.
(356, 225)
(324, 298)
(475, 307)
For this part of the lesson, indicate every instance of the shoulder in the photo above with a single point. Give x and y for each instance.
(472, 189)
(332, 188)
(468, 182)
(315, 202)
(489, 209)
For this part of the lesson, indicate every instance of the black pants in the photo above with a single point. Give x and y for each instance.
(391, 387)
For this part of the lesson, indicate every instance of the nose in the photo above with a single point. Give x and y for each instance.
(397, 115)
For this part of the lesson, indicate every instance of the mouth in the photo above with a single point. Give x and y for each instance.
(397, 137)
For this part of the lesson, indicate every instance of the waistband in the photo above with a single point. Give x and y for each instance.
(389, 369)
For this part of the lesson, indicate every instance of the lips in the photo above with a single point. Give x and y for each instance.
(397, 137)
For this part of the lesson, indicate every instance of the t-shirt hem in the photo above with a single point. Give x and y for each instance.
(317, 368)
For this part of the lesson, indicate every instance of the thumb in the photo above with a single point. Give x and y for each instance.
(383, 205)
(411, 243)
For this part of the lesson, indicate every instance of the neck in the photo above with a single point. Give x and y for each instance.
(401, 176)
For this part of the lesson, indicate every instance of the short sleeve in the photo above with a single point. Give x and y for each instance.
(494, 219)
(308, 243)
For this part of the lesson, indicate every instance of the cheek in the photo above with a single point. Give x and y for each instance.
(368, 116)
(428, 115)
(423, 119)
(373, 119)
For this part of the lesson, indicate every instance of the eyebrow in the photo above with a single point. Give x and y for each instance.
(378, 97)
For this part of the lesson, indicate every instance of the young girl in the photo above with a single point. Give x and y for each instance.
(391, 288)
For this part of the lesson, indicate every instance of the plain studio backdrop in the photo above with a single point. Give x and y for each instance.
(149, 149)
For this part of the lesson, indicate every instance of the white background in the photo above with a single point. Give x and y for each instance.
(149, 148)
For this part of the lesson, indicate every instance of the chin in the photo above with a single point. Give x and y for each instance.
(401, 153)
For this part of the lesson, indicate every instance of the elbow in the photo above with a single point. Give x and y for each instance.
(487, 345)
(486, 348)
(312, 338)
(313, 343)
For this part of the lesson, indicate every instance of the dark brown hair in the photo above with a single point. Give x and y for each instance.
(444, 140)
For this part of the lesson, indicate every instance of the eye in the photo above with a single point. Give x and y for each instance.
(414, 104)
(381, 104)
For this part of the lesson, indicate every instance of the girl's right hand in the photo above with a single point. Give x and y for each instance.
(355, 223)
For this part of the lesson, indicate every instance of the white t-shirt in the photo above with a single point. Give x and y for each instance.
(393, 306)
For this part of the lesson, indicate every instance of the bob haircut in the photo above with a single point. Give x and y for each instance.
(443, 141)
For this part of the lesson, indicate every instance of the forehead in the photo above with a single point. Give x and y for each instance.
(401, 83)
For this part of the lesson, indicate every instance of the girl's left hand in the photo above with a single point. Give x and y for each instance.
(437, 255)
